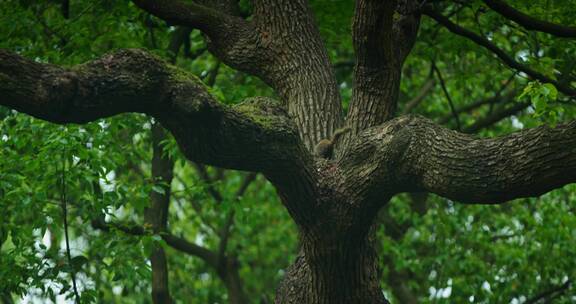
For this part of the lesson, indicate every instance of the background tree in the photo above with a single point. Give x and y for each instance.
(473, 65)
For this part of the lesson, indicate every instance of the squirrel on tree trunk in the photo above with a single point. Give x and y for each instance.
(325, 147)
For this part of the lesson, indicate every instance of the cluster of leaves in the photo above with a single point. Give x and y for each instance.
(542, 97)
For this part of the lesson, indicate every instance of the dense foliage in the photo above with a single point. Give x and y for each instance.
(432, 250)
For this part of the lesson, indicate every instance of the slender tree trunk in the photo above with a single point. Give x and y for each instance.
(157, 215)
(160, 291)
(231, 278)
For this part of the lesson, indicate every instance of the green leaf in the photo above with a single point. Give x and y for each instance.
(159, 189)
(78, 261)
(552, 91)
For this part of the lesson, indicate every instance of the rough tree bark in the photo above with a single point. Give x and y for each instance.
(333, 202)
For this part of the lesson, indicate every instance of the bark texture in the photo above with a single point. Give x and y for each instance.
(333, 202)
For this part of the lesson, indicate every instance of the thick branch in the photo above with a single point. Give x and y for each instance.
(281, 45)
(376, 73)
(507, 59)
(212, 22)
(529, 22)
(471, 170)
(232, 39)
(298, 67)
(256, 135)
(406, 25)
(411, 154)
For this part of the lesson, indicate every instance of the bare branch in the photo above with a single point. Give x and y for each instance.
(450, 103)
(508, 60)
(529, 22)
(175, 242)
(196, 206)
(496, 116)
(497, 98)
(550, 294)
(422, 93)
(203, 173)
(227, 227)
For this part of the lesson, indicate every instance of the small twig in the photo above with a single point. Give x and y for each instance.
(197, 208)
(502, 88)
(422, 93)
(226, 229)
(203, 173)
(495, 117)
(171, 240)
(443, 85)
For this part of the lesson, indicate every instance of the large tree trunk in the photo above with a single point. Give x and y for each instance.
(337, 261)
(335, 271)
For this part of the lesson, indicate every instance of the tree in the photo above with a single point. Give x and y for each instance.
(334, 202)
